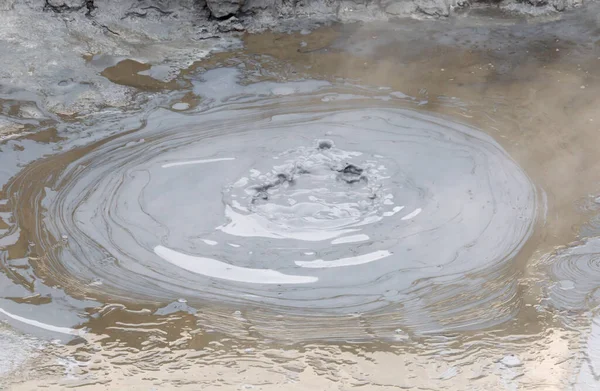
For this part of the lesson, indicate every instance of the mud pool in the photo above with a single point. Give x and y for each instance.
(385, 205)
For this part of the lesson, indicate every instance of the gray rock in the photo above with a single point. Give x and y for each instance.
(66, 4)
(223, 8)
(539, 7)
(401, 8)
(433, 7)
(157, 17)
(261, 5)
(360, 10)
(560, 5)
(6, 5)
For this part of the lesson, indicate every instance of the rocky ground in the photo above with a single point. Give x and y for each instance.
(256, 15)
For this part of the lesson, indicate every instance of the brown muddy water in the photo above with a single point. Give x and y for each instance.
(379, 206)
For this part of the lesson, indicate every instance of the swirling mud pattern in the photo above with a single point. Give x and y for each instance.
(292, 207)
(575, 272)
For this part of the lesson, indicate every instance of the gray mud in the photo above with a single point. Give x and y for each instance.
(247, 208)
(293, 198)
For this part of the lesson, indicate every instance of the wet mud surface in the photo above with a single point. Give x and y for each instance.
(382, 206)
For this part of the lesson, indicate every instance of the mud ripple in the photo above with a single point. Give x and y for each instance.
(575, 273)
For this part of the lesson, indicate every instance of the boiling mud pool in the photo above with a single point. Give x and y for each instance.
(341, 235)
(294, 205)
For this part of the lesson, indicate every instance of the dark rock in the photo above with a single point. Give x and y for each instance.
(230, 25)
